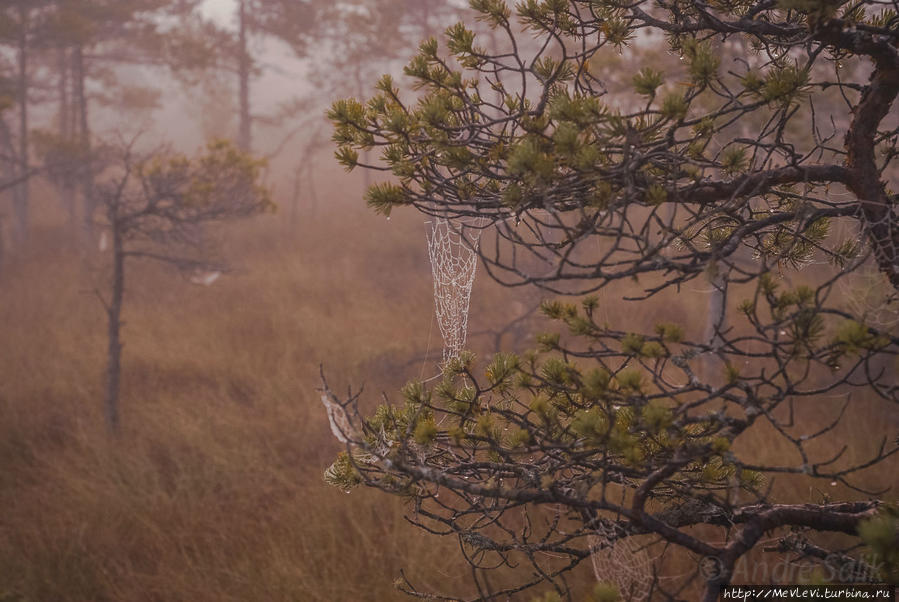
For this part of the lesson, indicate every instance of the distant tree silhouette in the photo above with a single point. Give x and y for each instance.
(159, 207)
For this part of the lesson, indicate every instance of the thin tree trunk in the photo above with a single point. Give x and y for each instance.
(243, 73)
(62, 88)
(2, 245)
(74, 111)
(21, 197)
(311, 195)
(295, 197)
(114, 351)
(84, 142)
(715, 319)
(64, 184)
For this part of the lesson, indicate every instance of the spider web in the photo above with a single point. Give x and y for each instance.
(620, 561)
(867, 292)
(454, 262)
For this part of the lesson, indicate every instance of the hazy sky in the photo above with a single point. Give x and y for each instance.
(219, 9)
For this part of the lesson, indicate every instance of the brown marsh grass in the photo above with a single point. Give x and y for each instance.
(213, 491)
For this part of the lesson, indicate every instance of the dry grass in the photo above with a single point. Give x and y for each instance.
(213, 492)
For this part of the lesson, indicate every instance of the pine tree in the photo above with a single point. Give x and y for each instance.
(766, 146)
(291, 22)
(158, 208)
(82, 43)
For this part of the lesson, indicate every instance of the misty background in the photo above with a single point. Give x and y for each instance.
(161, 433)
(211, 487)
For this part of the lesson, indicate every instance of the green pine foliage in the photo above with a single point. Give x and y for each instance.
(741, 150)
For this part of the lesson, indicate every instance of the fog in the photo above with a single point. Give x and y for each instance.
(221, 438)
(183, 258)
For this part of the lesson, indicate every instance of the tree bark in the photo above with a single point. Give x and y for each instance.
(716, 318)
(243, 73)
(757, 520)
(875, 204)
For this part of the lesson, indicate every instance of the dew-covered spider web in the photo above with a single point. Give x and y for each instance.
(622, 562)
(866, 291)
(454, 261)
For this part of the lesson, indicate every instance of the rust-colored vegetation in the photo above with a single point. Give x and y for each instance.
(213, 490)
